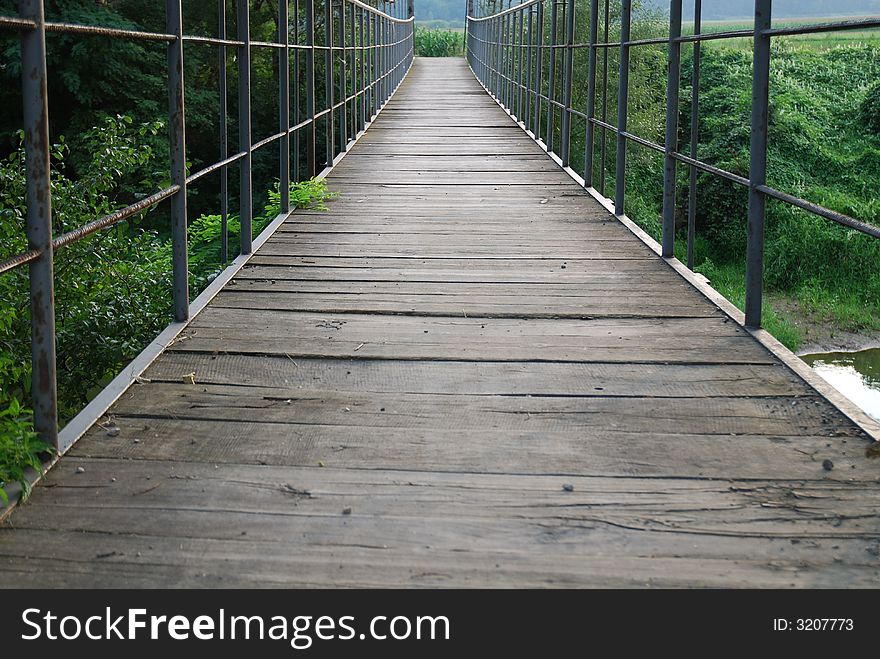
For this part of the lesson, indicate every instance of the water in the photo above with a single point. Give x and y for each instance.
(855, 374)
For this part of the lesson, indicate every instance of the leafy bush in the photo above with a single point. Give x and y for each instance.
(19, 448)
(439, 43)
(870, 109)
(113, 289)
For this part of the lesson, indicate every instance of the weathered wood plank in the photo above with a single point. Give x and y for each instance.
(462, 333)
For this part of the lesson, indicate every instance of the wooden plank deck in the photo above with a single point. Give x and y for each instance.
(398, 392)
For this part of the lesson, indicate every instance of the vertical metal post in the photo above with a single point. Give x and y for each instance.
(673, 80)
(539, 71)
(411, 8)
(246, 200)
(496, 57)
(364, 84)
(311, 143)
(511, 60)
(695, 137)
(567, 75)
(527, 113)
(224, 137)
(296, 93)
(520, 52)
(622, 107)
(343, 77)
(591, 93)
(551, 92)
(377, 98)
(177, 130)
(328, 80)
(39, 222)
(758, 164)
(284, 102)
(604, 148)
(352, 30)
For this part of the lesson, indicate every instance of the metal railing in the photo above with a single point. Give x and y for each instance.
(508, 53)
(367, 52)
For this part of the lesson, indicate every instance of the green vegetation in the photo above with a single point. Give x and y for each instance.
(109, 97)
(19, 447)
(822, 149)
(820, 278)
(113, 290)
(439, 43)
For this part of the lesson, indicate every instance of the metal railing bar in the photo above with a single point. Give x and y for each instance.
(192, 178)
(516, 8)
(859, 24)
(213, 41)
(113, 218)
(268, 140)
(95, 30)
(19, 260)
(10, 23)
(816, 209)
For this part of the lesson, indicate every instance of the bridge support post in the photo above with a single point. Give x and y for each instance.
(567, 74)
(758, 165)
(177, 131)
(343, 77)
(284, 103)
(695, 138)
(224, 136)
(411, 7)
(673, 78)
(244, 127)
(311, 158)
(328, 82)
(551, 91)
(39, 222)
(539, 69)
(591, 93)
(622, 108)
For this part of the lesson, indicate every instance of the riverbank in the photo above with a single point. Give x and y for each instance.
(821, 333)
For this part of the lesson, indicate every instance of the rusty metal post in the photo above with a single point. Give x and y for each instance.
(342, 82)
(591, 93)
(758, 164)
(622, 107)
(695, 138)
(311, 142)
(567, 75)
(673, 81)
(328, 82)
(39, 222)
(284, 103)
(177, 130)
(224, 137)
(244, 127)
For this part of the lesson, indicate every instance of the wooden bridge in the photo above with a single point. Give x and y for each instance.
(466, 373)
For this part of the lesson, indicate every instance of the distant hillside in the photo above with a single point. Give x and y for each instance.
(450, 11)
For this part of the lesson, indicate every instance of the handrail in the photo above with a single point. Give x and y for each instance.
(376, 49)
(505, 52)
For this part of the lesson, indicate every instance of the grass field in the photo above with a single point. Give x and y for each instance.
(821, 40)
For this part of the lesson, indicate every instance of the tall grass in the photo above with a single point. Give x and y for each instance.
(439, 43)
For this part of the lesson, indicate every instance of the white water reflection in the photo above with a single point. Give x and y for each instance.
(855, 374)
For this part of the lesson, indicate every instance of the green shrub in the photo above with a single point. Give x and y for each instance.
(113, 289)
(870, 109)
(439, 43)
